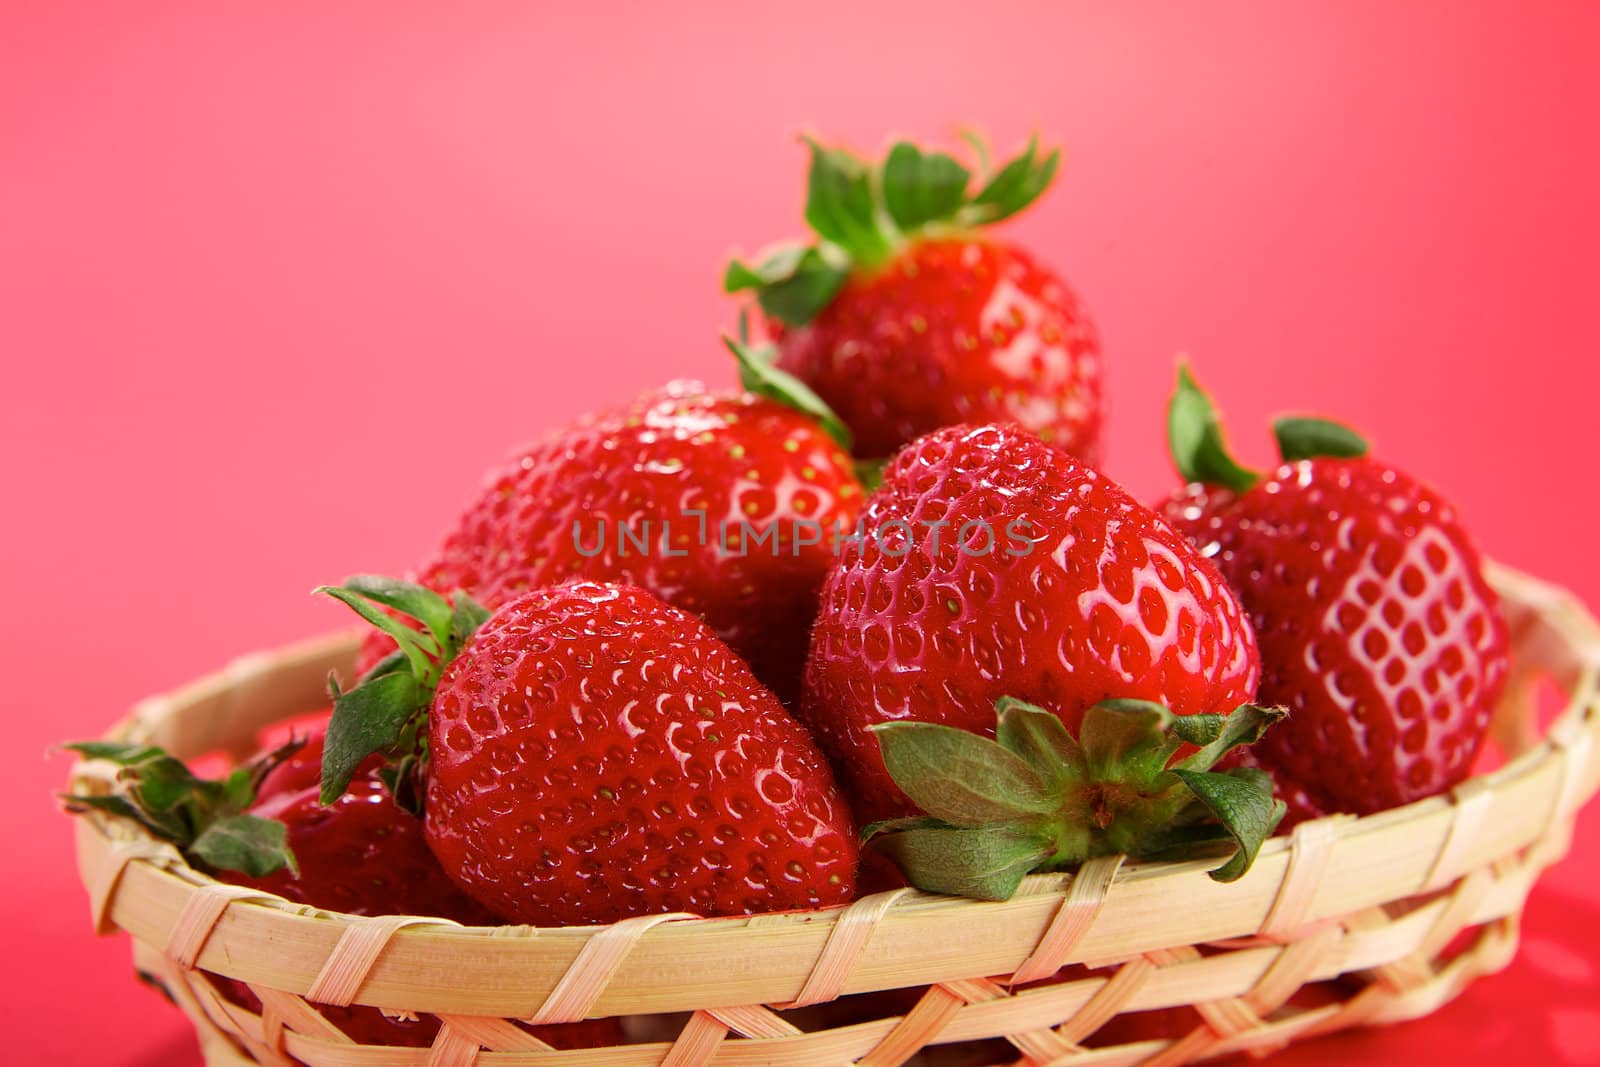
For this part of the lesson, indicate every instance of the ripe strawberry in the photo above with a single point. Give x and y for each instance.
(362, 854)
(905, 316)
(995, 570)
(996, 566)
(722, 503)
(594, 753)
(1377, 628)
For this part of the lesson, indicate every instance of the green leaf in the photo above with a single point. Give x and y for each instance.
(1194, 434)
(1244, 725)
(794, 285)
(115, 805)
(369, 718)
(203, 817)
(408, 598)
(1018, 183)
(1041, 740)
(405, 784)
(1244, 807)
(247, 843)
(1127, 741)
(239, 788)
(1303, 437)
(777, 265)
(392, 663)
(1035, 798)
(115, 751)
(841, 206)
(419, 648)
(801, 297)
(987, 863)
(163, 783)
(919, 187)
(737, 277)
(959, 777)
(1192, 835)
(759, 373)
(387, 711)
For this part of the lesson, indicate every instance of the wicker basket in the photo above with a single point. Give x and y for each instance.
(1385, 917)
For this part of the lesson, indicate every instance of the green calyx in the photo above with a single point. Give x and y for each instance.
(861, 213)
(1200, 452)
(205, 818)
(387, 711)
(1037, 799)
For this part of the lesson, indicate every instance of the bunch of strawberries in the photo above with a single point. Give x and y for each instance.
(873, 618)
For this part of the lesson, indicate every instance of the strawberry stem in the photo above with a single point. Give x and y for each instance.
(204, 817)
(387, 710)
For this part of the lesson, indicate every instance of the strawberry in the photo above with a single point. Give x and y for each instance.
(362, 854)
(593, 753)
(993, 566)
(905, 315)
(1377, 627)
(721, 503)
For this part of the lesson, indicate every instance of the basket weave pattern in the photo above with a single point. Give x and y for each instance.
(1403, 909)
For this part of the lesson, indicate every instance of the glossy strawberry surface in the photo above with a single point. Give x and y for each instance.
(1047, 583)
(721, 503)
(597, 754)
(361, 854)
(953, 330)
(1377, 628)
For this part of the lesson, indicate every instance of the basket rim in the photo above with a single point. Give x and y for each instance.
(511, 970)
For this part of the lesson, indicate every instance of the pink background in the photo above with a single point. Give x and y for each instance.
(275, 287)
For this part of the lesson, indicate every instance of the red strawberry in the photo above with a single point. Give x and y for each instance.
(905, 316)
(362, 854)
(1044, 581)
(1051, 584)
(594, 753)
(1377, 628)
(722, 503)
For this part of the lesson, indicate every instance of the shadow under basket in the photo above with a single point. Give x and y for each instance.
(1345, 922)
